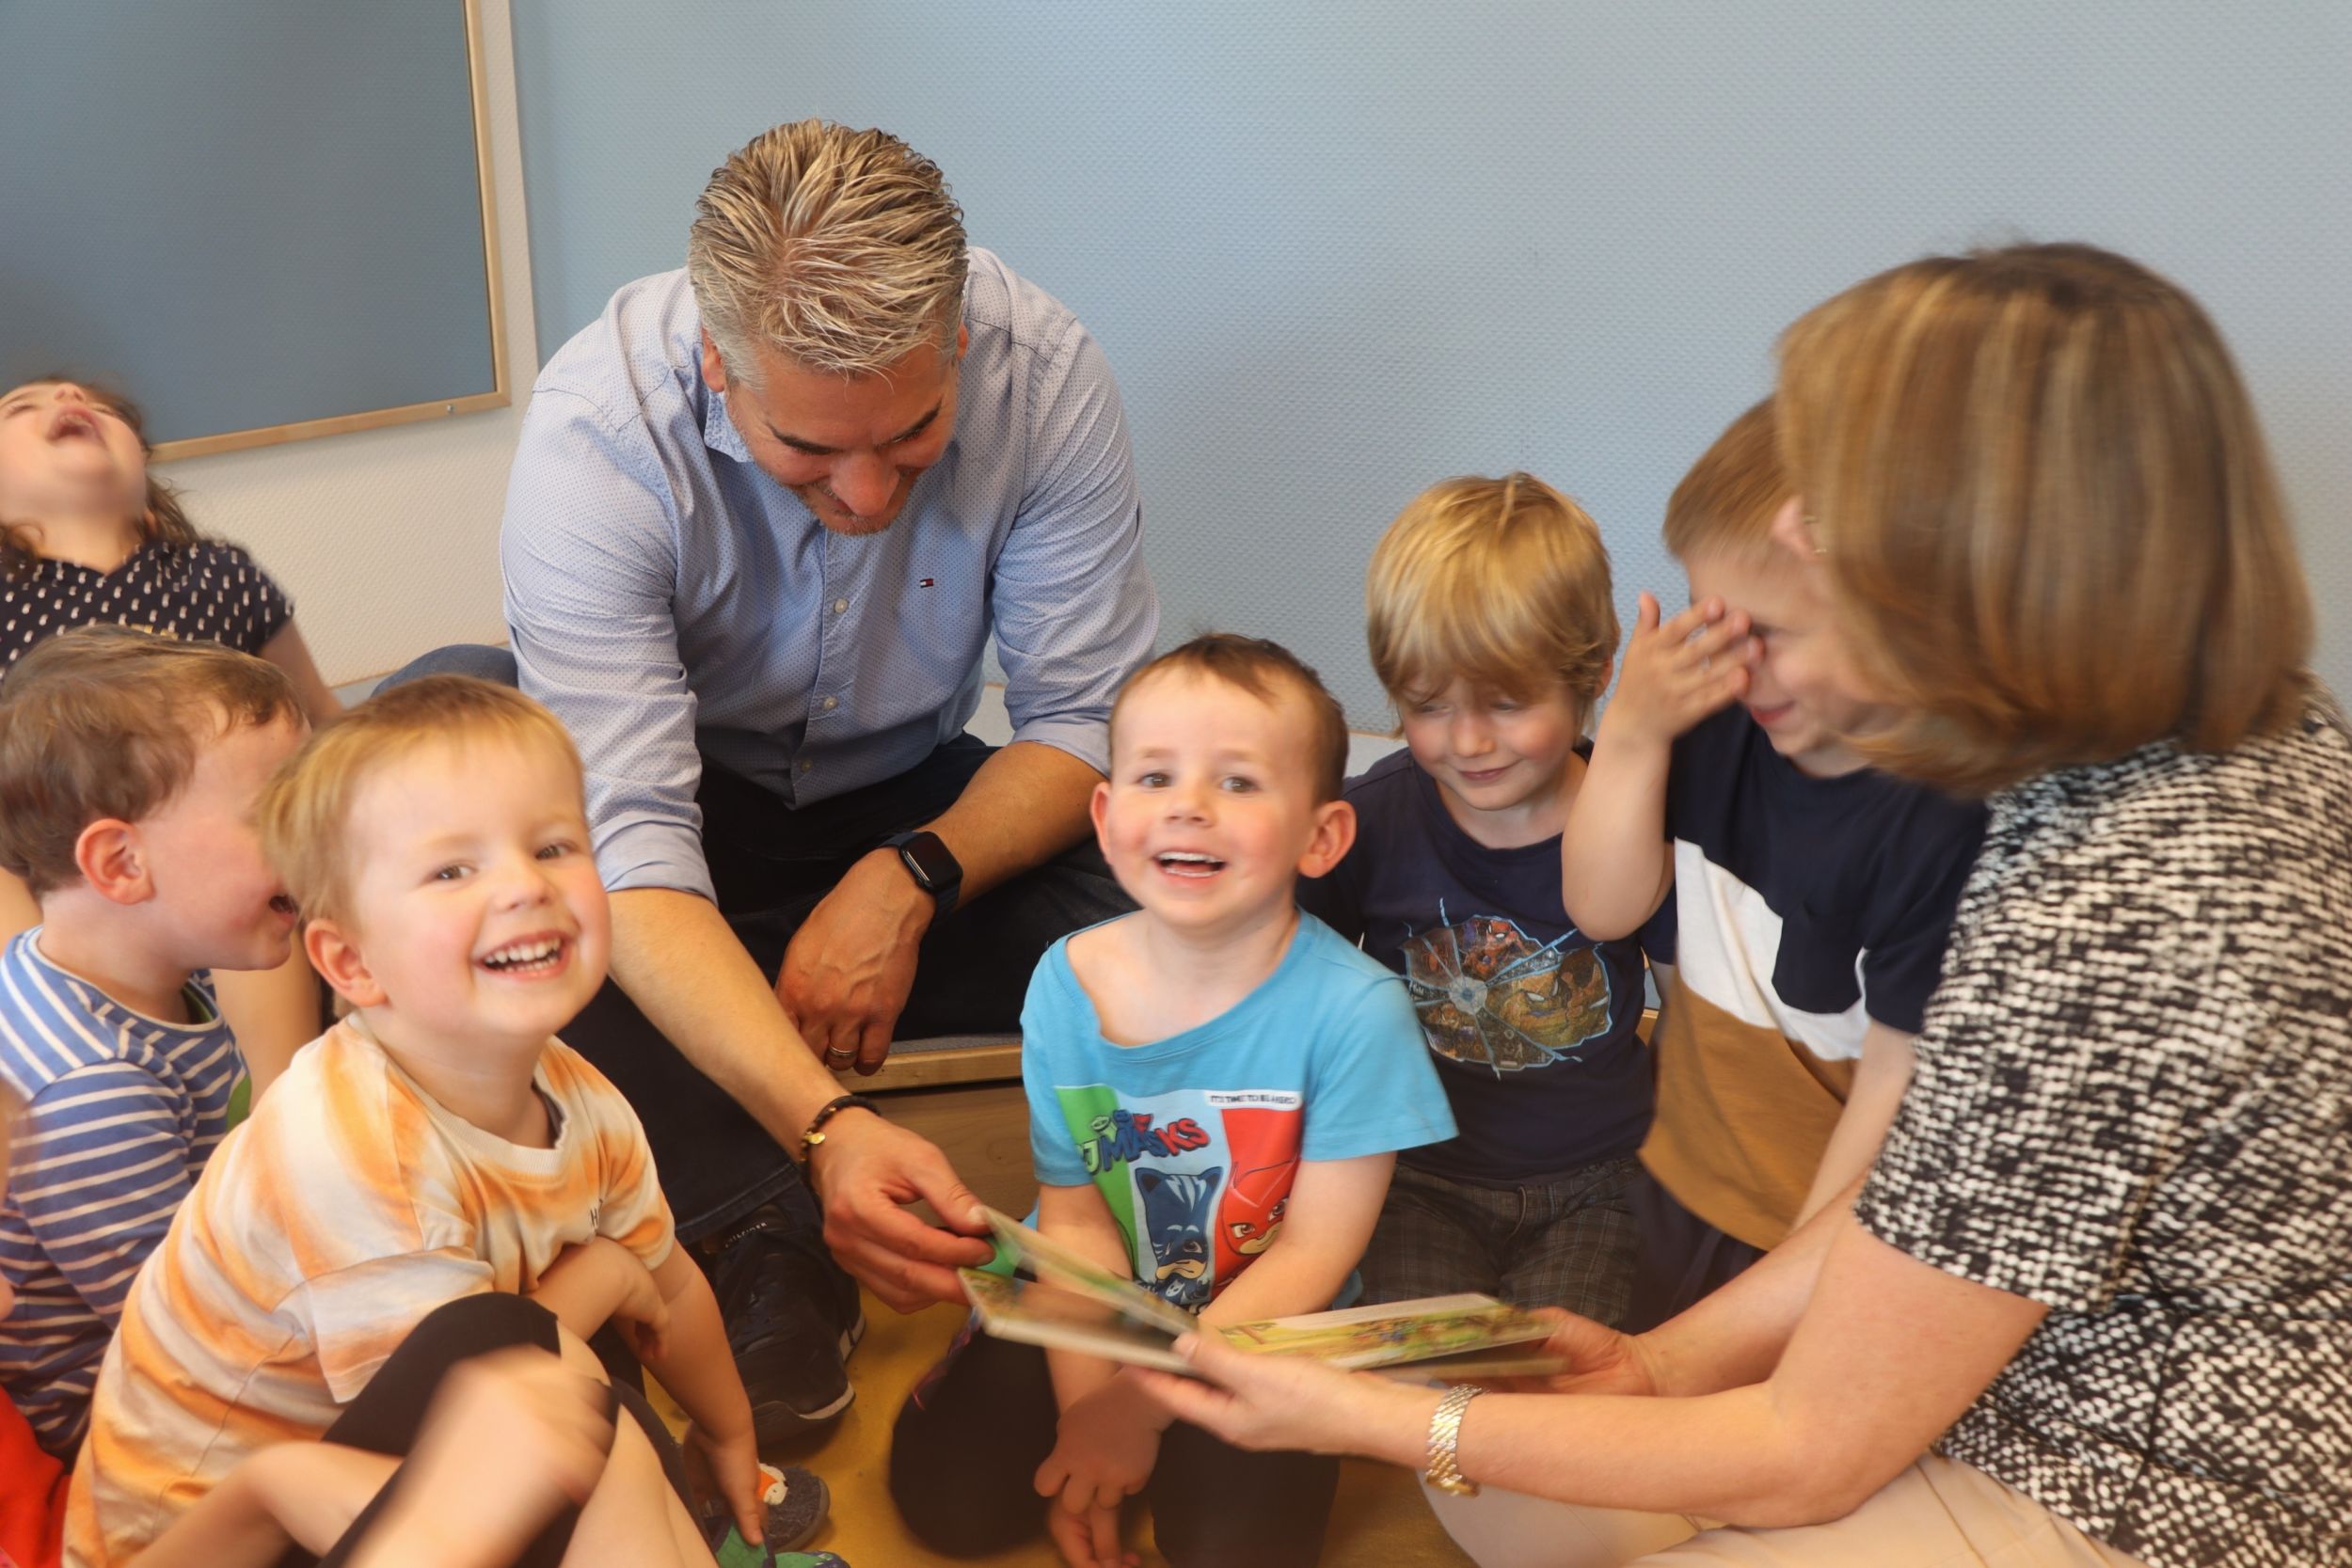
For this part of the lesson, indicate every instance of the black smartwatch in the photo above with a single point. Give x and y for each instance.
(934, 869)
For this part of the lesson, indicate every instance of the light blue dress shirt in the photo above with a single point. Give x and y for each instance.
(669, 600)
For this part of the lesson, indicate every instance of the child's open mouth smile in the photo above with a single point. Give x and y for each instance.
(530, 958)
(1190, 866)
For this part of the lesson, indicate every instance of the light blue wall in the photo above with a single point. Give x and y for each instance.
(1337, 251)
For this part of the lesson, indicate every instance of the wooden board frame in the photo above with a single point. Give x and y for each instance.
(500, 392)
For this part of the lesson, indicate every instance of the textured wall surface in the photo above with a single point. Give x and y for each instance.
(387, 539)
(1338, 250)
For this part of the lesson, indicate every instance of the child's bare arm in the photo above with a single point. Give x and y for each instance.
(299, 1493)
(589, 1285)
(1326, 1225)
(1879, 1082)
(1108, 1438)
(1079, 1219)
(695, 1366)
(1615, 865)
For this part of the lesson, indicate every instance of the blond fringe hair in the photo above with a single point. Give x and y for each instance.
(1727, 501)
(306, 812)
(2049, 518)
(839, 249)
(1501, 583)
(109, 722)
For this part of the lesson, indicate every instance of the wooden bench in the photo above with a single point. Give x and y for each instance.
(963, 1093)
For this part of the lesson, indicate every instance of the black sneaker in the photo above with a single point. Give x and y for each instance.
(792, 1319)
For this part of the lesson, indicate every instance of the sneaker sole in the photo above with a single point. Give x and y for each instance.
(774, 1422)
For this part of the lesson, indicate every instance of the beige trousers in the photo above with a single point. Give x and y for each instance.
(1938, 1513)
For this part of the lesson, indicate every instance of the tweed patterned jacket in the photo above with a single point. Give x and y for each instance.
(2133, 1104)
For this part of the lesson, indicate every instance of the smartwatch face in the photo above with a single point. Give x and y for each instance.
(931, 861)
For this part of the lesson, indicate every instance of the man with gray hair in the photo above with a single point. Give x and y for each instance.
(765, 516)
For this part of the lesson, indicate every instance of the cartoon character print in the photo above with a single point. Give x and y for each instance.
(1253, 1211)
(1177, 1214)
(1491, 996)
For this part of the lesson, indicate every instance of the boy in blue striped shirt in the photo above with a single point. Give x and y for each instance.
(129, 768)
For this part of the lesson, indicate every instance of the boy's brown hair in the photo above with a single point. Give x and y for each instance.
(2047, 513)
(1501, 583)
(108, 723)
(306, 812)
(1263, 669)
(1728, 500)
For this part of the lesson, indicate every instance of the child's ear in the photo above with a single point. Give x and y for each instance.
(1794, 532)
(341, 964)
(112, 861)
(1334, 835)
(1098, 805)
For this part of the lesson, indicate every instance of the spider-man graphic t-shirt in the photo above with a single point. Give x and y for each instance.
(1530, 1022)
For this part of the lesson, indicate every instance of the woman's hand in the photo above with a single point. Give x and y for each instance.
(1103, 1456)
(1290, 1402)
(1600, 1360)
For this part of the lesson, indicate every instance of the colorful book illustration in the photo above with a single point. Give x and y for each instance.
(1075, 1304)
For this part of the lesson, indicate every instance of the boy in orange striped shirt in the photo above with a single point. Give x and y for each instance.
(439, 1143)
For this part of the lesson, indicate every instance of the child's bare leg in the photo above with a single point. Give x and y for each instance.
(633, 1517)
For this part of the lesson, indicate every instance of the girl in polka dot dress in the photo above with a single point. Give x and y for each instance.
(87, 533)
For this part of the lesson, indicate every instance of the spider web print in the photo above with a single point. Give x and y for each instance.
(1491, 996)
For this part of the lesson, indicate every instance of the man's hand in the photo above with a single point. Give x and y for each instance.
(1103, 1456)
(1677, 674)
(865, 1172)
(851, 966)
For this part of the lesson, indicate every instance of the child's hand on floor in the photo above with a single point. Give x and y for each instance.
(727, 1468)
(1677, 672)
(1103, 1454)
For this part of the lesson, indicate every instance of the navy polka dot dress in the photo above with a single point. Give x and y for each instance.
(208, 592)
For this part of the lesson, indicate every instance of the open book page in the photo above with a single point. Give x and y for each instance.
(1075, 1304)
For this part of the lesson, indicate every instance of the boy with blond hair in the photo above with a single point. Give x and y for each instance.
(437, 1143)
(1814, 895)
(129, 768)
(1492, 630)
(1217, 1087)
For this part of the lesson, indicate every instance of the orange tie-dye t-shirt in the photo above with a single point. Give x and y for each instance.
(348, 1208)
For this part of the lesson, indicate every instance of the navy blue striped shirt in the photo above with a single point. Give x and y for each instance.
(122, 1111)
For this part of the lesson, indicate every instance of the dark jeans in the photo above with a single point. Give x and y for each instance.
(771, 865)
(390, 1413)
(1679, 1260)
(972, 1434)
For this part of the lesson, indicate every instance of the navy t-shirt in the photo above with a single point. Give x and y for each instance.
(1530, 1022)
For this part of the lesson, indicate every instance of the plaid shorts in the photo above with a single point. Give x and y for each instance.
(1568, 1243)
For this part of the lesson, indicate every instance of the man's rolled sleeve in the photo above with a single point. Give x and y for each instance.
(589, 549)
(1075, 607)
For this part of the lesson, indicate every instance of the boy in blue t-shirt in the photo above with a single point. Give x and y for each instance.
(1217, 1088)
(1491, 627)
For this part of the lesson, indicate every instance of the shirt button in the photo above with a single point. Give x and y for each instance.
(832, 703)
(840, 607)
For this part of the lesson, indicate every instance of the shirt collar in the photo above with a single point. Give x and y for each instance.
(718, 431)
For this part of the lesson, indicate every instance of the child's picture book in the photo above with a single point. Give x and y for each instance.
(1075, 1304)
